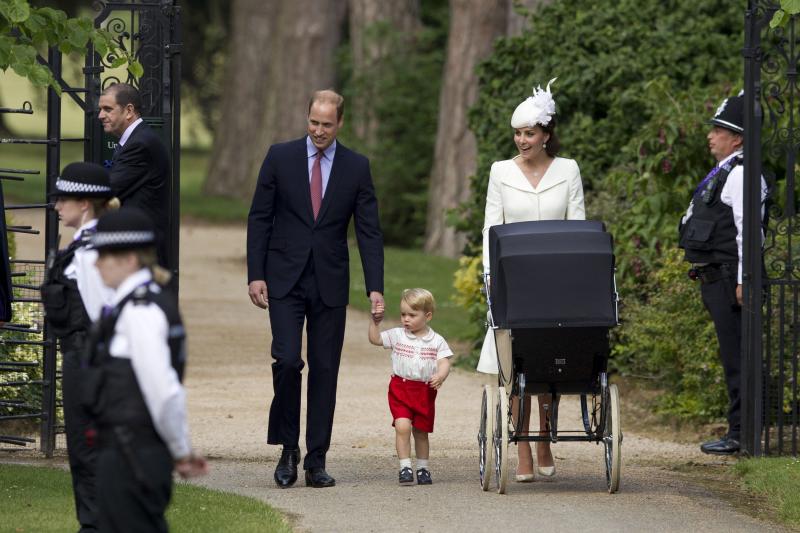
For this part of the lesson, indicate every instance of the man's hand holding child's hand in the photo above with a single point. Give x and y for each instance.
(377, 314)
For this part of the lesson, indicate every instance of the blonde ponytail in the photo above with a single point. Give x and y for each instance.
(101, 206)
(148, 259)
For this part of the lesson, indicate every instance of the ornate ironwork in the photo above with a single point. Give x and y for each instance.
(770, 401)
(138, 29)
(150, 30)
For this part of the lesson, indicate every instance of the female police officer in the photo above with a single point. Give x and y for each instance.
(73, 295)
(136, 359)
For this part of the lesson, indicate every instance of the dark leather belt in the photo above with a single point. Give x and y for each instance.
(711, 272)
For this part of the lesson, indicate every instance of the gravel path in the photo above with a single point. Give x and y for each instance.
(229, 388)
(229, 391)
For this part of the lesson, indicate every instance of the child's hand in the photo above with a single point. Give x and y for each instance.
(437, 380)
(377, 315)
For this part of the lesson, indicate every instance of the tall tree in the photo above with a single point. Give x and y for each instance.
(375, 26)
(281, 50)
(473, 28)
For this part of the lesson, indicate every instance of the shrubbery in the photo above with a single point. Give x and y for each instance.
(669, 339)
(633, 96)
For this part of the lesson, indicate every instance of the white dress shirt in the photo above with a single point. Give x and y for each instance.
(82, 269)
(415, 357)
(141, 336)
(127, 133)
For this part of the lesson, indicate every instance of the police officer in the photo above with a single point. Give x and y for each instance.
(711, 236)
(136, 360)
(73, 295)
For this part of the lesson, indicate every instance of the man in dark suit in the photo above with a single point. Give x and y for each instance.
(307, 192)
(140, 173)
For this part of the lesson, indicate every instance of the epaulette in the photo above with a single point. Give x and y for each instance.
(145, 293)
(140, 295)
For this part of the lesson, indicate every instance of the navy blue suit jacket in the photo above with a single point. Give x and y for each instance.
(282, 232)
(140, 177)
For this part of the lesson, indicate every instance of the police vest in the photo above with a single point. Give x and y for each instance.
(113, 395)
(709, 236)
(62, 301)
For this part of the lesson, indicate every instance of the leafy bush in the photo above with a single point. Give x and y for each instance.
(670, 340)
(643, 198)
(633, 96)
(10, 351)
(604, 65)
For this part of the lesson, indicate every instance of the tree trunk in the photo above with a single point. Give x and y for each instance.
(473, 28)
(369, 45)
(247, 73)
(281, 51)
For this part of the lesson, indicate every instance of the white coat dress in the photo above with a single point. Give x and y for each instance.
(511, 198)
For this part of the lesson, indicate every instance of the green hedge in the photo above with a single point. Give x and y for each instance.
(637, 81)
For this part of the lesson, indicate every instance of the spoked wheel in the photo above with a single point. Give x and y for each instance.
(485, 436)
(612, 439)
(500, 439)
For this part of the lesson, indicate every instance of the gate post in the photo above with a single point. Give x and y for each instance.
(751, 389)
(48, 430)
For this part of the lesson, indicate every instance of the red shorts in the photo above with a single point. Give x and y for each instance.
(415, 400)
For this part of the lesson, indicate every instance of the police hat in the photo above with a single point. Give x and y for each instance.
(83, 180)
(125, 229)
(730, 114)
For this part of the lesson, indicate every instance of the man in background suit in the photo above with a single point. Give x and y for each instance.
(298, 267)
(140, 173)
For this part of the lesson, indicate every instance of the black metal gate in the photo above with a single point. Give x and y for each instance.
(770, 396)
(150, 31)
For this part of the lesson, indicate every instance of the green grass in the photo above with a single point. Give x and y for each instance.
(194, 164)
(405, 269)
(777, 480)
(34, 499)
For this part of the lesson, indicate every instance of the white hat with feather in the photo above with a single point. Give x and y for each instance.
(536, 109)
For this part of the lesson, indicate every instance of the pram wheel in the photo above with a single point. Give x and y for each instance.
(500, 438)
(612, 439)
(485, 436)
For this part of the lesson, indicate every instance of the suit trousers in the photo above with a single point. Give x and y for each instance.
(325, 336)
(82, 456)
(719, 297)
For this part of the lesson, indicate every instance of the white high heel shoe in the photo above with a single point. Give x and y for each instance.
(546, 471)
(524, 478)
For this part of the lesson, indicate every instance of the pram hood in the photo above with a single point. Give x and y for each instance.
(552, 273)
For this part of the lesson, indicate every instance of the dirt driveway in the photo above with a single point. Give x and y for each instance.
(229, 391)
(229, 388)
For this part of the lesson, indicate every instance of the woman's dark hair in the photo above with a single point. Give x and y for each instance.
(553, 144)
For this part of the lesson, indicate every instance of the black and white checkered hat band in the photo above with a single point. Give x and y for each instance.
(77, 187)
(122, 238)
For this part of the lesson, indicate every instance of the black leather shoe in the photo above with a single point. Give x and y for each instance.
(723, 446)
(318, 478)
(286, 471)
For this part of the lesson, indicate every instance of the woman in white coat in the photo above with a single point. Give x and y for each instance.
(534, 185)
